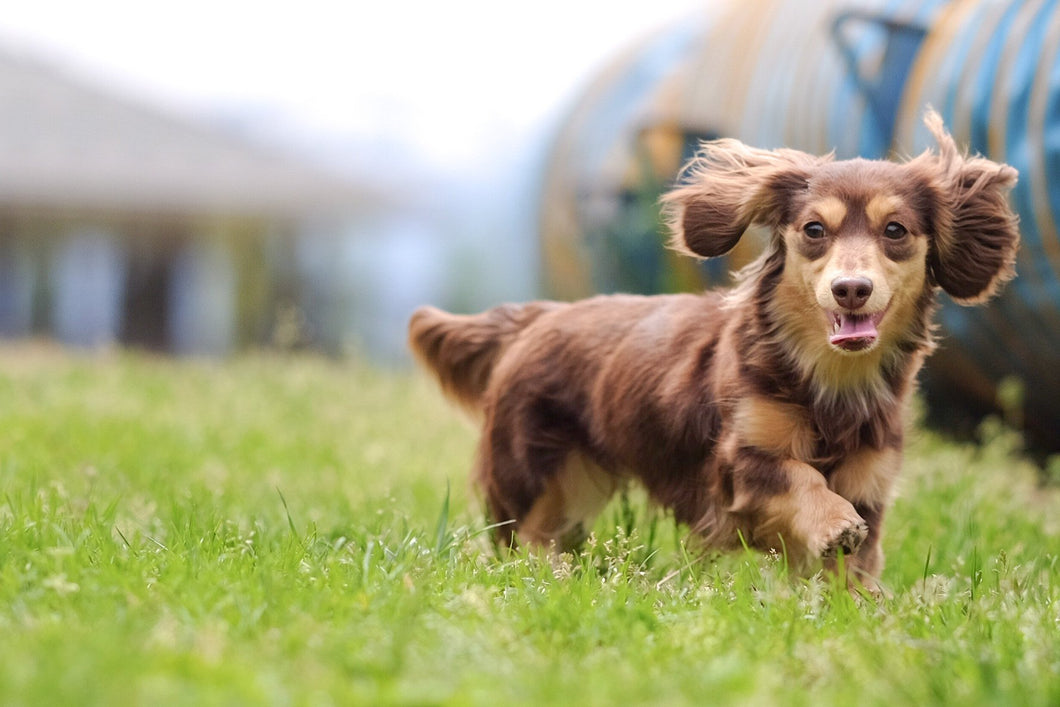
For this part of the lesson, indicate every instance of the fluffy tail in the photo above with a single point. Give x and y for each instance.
(461, 350)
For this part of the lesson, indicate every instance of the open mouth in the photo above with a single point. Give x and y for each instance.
(855, 332)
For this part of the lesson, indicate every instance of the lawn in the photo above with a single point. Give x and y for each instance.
(297, 531)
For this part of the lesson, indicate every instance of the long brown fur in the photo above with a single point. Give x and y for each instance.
(772, 413)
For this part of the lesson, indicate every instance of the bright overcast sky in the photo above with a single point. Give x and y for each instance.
(345, 68)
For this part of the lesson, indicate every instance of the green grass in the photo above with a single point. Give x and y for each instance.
(294, 531)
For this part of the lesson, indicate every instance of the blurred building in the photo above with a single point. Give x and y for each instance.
(122, 224)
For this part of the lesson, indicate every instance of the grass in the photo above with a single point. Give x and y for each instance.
(294, 531)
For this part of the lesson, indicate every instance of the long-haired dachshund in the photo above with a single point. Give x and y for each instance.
(771, 414)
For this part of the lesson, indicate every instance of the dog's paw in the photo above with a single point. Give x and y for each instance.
(846, 536)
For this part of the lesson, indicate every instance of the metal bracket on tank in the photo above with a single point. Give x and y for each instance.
(882, 92)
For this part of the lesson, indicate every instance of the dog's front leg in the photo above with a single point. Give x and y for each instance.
(866, 478)
(786, 505)
(862, 568)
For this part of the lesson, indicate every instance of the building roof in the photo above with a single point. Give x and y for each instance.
(66, 144)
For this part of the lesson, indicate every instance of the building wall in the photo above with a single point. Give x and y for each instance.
(179, 285)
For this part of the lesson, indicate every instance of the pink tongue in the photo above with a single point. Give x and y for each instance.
(852, 327)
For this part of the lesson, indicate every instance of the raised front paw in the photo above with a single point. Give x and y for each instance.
(811, 524)
(845, 534)
(847, 537)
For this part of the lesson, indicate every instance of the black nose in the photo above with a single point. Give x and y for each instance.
(851, 292)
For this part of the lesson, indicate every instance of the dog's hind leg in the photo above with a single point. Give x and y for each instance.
(551, 504)
(538, 480)
(573, 496)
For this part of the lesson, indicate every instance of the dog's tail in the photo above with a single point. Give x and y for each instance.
(461, 350)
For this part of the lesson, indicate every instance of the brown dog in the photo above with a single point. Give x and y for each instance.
(773, 412)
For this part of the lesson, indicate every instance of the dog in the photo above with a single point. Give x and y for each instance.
(771, 414)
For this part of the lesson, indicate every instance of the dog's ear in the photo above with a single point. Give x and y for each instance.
(727, 187)
(976, 233)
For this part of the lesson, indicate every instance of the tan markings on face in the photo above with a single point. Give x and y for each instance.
(806, 326)
(854, 256)
(906, 281)
(800, 273)
(796, 302)
(862, 255)
(774, 427)
(881, 207)
(804, 300)
(831, 210)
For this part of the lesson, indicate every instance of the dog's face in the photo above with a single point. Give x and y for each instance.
(856, 255)
(862, 242)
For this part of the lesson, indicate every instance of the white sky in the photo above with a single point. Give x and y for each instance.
(452, 97)
(437, 73)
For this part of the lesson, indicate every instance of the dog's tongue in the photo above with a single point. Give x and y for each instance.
(853, 331)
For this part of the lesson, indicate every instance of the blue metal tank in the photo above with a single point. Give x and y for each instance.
(828, 76)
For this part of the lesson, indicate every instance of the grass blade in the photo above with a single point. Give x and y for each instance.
(287, 512)
(441, 541)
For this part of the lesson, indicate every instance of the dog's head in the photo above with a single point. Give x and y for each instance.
(862, 242)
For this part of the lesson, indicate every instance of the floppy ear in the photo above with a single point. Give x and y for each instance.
(727, 187)
(976, 232)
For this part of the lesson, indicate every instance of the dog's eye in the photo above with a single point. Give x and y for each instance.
(895, 230)
(814, 229)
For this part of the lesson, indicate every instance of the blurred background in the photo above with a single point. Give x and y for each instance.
(220, 174)
(216, 176)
